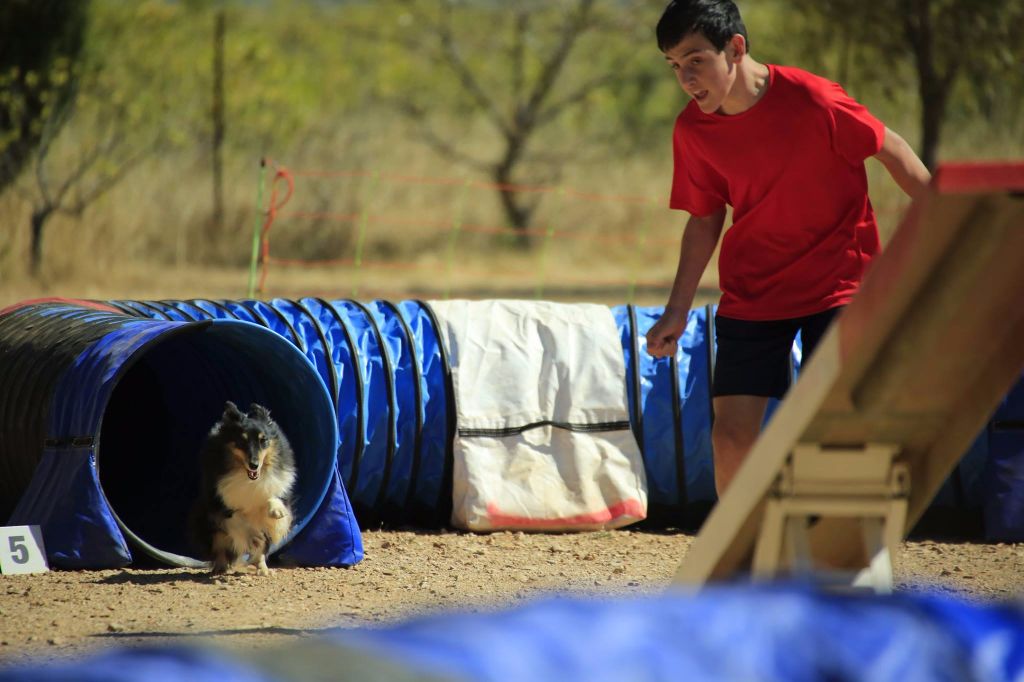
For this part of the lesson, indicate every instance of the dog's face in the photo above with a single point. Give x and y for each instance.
(252, 438)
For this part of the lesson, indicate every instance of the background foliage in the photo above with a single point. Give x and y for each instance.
(120, 162)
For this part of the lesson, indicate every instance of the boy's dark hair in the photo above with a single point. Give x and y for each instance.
(716, 20)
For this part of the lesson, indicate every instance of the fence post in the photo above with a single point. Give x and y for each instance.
(453, 235)
(641, 242)
(545, 246)
(257, 225)
(364, 219)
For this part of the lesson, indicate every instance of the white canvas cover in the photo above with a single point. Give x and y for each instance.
(543, 440)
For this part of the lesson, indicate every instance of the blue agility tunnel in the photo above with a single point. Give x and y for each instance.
(102, 418)
(671, 414)
(108, 402)
(389, 383)
(388, 375)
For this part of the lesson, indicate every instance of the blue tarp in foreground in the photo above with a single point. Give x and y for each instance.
(791, 633)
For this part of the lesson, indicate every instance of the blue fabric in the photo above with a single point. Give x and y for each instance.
(161, 385)
(242, 312)
(991, 635)
(65, 500)
(175, 664)
(364, 478)
(653, 410)
(155, 313)
(349, 400)
(331, 538)
(405, 413)
(311, 339)
(720, 633)
(276, 321)
(997, 485)
(790, 633)
(214, 310)
(308, 327)
(79, 527)
(429, 484)
(966, 487)
(1004, 502)
(191, 310)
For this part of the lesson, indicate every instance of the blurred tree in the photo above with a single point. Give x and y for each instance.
(39, 42)
(217, 119)
(943, 39)
(109, 124)
(513, 85)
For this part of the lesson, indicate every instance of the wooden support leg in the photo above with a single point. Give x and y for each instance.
(769, 542)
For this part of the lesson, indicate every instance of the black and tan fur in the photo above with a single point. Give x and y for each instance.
(244, 504)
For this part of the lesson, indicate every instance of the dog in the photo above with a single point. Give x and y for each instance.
(244, 504)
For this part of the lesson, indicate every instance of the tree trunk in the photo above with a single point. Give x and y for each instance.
(217, 113)
(39, 218)
(933, 111)
(932, 85)
(933, 89)
(517, 212)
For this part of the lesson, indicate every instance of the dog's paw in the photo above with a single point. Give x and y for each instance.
(261, 566)
(277, 509)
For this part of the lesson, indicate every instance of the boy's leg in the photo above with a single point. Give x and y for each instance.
(752, 366)
(813, 327)
(737, 425)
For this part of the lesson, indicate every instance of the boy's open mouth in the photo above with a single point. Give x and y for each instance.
(700, 95)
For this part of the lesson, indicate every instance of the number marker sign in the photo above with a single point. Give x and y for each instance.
(21, 550)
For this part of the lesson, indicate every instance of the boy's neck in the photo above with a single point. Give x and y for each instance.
(752, 81)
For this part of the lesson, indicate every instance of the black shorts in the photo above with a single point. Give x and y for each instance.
(754, 357)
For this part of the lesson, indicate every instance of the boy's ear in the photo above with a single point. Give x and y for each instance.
(231, 412)
(737, 46)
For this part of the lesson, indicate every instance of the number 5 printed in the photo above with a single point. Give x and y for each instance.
(21, 550)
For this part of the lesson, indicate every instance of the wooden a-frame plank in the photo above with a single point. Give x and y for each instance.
(920, 359)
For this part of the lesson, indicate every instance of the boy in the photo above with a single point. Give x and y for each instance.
(786, 150)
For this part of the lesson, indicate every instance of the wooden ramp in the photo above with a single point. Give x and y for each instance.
(896, 392)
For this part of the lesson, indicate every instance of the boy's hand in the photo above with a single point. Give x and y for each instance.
(664, 335)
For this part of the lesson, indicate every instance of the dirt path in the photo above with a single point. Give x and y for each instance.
(67, 613)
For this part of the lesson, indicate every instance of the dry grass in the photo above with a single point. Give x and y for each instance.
(429, 229)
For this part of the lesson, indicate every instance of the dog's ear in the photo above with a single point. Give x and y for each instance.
(232, 413)
(257, 411)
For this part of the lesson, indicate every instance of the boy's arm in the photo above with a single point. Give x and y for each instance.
(903, 165)
(699, 240)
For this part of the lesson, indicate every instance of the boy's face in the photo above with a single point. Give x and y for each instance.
(705, 73)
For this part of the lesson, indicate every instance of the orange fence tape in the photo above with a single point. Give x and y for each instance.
(280, 196)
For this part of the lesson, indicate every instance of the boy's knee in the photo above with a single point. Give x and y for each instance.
(729, 445)
(735, 427)
(734, 432)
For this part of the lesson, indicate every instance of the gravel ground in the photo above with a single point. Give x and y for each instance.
(70, 613)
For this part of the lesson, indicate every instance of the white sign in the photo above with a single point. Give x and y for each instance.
(21, 550)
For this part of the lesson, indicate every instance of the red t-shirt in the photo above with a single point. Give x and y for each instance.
(792, 168)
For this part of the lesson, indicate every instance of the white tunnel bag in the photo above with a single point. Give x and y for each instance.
(543, 438)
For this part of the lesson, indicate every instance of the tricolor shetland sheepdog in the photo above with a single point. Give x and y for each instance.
(244, 504)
